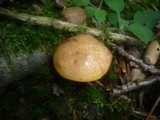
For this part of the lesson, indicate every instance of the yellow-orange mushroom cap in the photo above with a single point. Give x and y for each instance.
(82, 58)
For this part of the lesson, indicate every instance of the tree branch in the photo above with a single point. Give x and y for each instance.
(134, 85)
(20, 66)
(58, 24)
(137, 84)
(139, 62)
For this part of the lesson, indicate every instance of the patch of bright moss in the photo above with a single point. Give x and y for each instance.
(18, 38)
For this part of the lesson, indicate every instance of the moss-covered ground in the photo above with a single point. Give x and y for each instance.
(32, 98)
(18, 38)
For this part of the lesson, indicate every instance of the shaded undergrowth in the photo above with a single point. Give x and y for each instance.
(33, 98)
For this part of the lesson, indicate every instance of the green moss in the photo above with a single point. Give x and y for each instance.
(59, 108)
(26, 6)
(18, 38)
(32, 98)
(111, 75)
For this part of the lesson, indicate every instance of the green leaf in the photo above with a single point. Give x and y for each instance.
(149, 18)
(100, 15)
(113, 18)
(142, 32)
(123, 24)
(90, 11)
(116, 5)
(82, 2)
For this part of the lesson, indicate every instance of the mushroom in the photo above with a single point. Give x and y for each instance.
(37, 8)
(152, 53)
(82, 58)
(74, 15)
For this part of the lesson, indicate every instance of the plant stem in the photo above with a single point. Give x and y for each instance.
(100, 5)
(153, 108)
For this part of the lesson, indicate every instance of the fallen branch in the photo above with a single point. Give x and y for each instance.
(134, 85)
(58, 24)
(145, 67)
(153, 108)
(18, 67)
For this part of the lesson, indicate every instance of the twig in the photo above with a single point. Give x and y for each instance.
(144, 115)
(153, 108)
(134, 85)
(58, 24)
(139, 62)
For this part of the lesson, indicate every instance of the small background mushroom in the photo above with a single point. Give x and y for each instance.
(152, 53)
(74, 15)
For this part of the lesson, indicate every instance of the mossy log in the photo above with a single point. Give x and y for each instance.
(16, 67)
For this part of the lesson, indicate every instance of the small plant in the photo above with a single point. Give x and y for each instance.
(48, 6)
(95, 96)
(117, 105)
(23, 87)
(58, 108)
(142, 24)
(92, 10)
(112, 75)
(38, 111)
(95, 100)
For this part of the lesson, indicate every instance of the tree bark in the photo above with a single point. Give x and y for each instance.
(18, 67)
(134, 85)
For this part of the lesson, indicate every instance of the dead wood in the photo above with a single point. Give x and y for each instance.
(137, 84)
(134, 85)
(18, 67)
(58, 24)
(145, 67)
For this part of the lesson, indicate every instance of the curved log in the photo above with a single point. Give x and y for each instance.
(19, 66)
